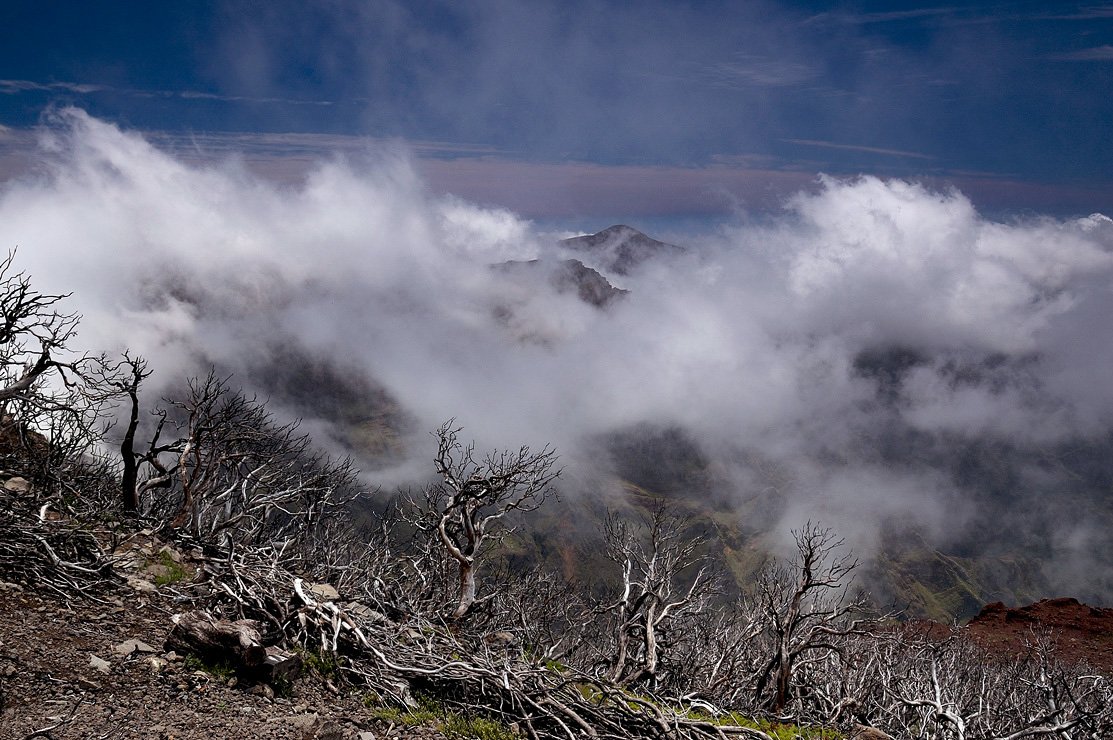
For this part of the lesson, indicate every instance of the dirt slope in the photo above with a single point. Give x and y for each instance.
(50, 686)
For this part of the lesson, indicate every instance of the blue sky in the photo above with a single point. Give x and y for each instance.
(579, 109)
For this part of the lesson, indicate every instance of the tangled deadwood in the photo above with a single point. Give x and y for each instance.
(40, 550)
(400, 660)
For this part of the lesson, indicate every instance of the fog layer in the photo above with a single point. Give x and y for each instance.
(831, 359)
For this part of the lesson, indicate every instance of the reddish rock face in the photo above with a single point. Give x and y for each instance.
(1081, 632)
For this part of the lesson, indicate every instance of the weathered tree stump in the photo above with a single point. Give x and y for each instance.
(237, 643)
(280, 666)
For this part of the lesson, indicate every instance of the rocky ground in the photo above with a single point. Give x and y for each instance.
(1080, 632)
(98, 669)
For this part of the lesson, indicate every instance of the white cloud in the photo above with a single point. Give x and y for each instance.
(754, 344)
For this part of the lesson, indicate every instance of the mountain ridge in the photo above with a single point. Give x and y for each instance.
(620, 249)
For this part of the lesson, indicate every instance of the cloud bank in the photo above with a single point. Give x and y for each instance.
(863, 357)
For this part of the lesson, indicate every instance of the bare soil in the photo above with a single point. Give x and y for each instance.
(50, 686)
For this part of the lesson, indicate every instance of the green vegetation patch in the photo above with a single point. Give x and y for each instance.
(452, 724)
(174, 570)
(777, 730)
(462, 727)
(223, 670)
(325, 664)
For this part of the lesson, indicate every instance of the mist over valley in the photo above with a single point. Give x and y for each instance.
(876, 355)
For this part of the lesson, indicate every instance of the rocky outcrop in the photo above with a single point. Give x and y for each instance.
(1080, 632)
(565, 276)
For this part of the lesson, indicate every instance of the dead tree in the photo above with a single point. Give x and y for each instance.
(242, 477)
(123, 379)
(45, 404)
(32, 335)
(142, 468)
(468, 508)
(656, 555)
(805, 606)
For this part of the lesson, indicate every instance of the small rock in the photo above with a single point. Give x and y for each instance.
(17, 485)
(133, 646)
(281, 665)
(9, 670)
(366, 735)
(304, 722)
(263, 690)
(500, 639)
(313, 727)
(172, 656)
(365, 613)
(141, 585)
(157, 570)
(299, 708)
(100, 664)
(171, 553)
(88, 685)
(324, 592)
(327, 730)
(157, 664)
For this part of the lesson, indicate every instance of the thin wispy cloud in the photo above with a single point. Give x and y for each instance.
(880, 17)
(196, 95)
(859, 148)
(212, 145)
(17, 87)
(1102, 53)
(1096, 12)
(755, 71)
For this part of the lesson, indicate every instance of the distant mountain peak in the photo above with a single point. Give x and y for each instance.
(621, 230)
(619, 248)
